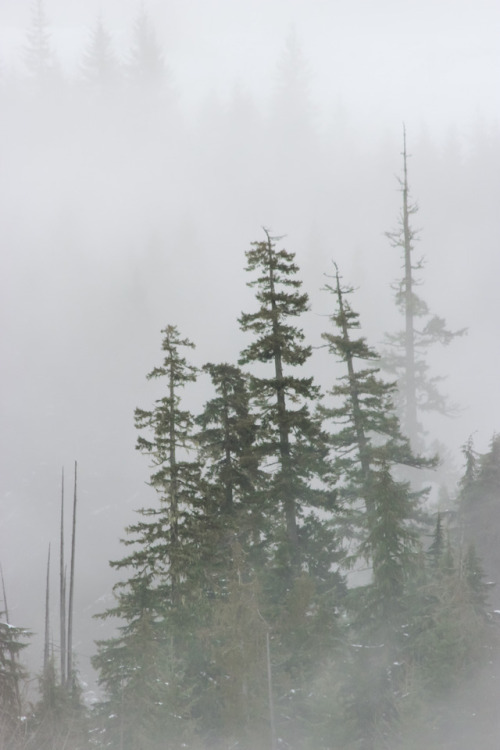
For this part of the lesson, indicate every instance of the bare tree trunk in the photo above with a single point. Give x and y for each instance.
(270, 692)
(411, 422)
(62, 590)
(46, 643)
(69, 676)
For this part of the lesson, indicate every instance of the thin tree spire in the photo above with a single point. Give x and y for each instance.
(69, 676)
(46, 648)
(62, 589)
(5, 605)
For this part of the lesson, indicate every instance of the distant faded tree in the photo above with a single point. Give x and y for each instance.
(100, 67)
(39, 55)
(146, 66)
(406, 355)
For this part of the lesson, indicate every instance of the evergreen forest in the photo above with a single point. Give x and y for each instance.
(303, 565)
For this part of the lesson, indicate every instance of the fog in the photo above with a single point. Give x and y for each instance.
(127, 207)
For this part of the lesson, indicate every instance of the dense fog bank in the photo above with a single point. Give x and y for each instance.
(128, 203)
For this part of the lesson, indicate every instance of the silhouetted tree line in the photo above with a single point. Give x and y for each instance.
(288, 587)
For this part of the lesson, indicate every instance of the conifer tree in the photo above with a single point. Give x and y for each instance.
(231, 466)
(163, 602)
(168, 442)
(146, 65)
(368, 436)
(100, 67)
(227, 436)
(39, 55)
(290, 440)
(406, 356)
(300, 581)
(12, 677)
(381, 513)
(437, 547)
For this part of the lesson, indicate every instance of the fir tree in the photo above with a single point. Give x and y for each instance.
(367, 435)
(12, 677)
(300, 579)
(381, 513)
(100, 67)
(168, 442)
(437, 547)
(164, 600)
(146, 66)
(39, 55)
(231, 466)
(418, 391)
(290, 440)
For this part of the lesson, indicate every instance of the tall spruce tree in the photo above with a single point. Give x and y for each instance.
(146, 67)
(381, 514)
(100, 68)
(407, 351)
(39, 55)
(301, 585)
(12, 677)
(289, 439)
(231, 465)
(144, 669)
(368, 434)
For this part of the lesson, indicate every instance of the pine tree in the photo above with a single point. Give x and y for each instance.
(13, 677)
(368, 434)
(381, 517)
(437, 547)
(142, 676)
(406, 356)
(231, 466)
(300, 581)
(146, 67)
(175, 476)
(163, 603)
(290, 440)
(100, 67)
(479, 509)
(39, 55)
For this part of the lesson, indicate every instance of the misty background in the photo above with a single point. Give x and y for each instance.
(127, 204)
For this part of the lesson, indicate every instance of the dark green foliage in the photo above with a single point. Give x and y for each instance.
(436, 549)
(367, 435)
(226, 450)
(479, 517)
(143, 669)
(59, 719)
(236, 627)
(12, 676)
(383, 515)
(290, 441)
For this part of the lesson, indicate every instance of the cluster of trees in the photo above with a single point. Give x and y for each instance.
(242, 619)
(100, 65)
(286, 587)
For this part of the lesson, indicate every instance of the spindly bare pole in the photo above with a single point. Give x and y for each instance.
(62, 590)
(46, 645)
(5, 605)
(69, 675)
